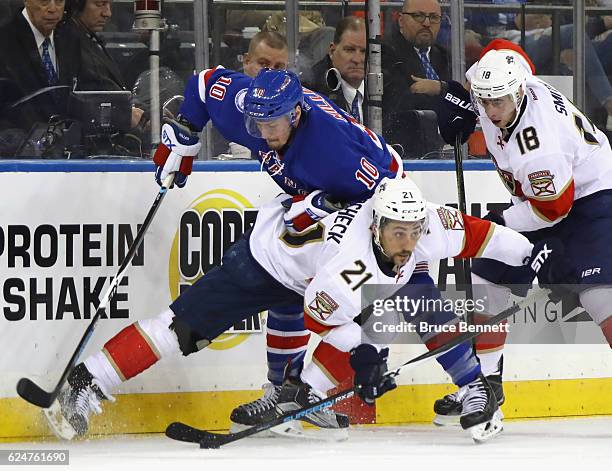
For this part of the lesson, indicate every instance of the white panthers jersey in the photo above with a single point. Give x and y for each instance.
(551, 157)
(329, 262)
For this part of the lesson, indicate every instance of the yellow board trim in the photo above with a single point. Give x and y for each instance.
(151, 413)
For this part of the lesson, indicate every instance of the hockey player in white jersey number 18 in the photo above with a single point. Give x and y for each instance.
(558, 168)
(386, 236)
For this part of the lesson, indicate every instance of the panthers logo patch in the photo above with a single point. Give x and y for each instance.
(323, 305)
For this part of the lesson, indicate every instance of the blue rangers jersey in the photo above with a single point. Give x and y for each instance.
(329, 150)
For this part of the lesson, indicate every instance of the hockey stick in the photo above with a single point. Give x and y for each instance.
(183, 432)
(467, 272)
(33, 393)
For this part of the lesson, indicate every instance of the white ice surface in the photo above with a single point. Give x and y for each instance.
(575, 444)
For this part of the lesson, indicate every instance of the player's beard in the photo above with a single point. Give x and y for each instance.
(275, 145)
(400, 259)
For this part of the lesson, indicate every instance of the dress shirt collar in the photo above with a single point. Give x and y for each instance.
(349, 92)
(39, 38)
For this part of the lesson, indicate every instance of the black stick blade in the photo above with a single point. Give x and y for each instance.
(212, 441)
(183, 432)
(186, 433)
(34, 394)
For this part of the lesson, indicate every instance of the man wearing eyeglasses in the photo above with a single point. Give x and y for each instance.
(413, 64)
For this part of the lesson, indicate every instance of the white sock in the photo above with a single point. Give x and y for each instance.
(314, 376)
(102, 370)
(489, 362)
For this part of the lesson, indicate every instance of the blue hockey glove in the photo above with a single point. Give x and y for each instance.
(175, 153)
(370, 366)
(304, 211)
(456, 115)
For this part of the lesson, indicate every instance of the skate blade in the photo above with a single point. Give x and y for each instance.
(484, 432)
(290, 429)
(58, 424)
(447, 420)
(316, 433)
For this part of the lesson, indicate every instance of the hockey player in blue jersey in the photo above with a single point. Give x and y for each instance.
(309, 147)
(303, 141)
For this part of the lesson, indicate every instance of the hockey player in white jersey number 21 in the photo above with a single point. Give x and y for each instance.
(557, 167)
(386, 236)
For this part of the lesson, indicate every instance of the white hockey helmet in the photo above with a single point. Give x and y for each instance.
(499, 73)
(398, 199)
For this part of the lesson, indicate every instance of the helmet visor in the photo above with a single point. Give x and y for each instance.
(269, 128)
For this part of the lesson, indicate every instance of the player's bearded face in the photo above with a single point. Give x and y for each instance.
(398, 240)
(501, 111)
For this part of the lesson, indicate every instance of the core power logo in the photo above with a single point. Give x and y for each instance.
(211, 223)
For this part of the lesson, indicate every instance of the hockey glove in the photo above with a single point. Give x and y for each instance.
(178, 147)
(304, 211)
(543, 264)
(545, 261)
(370, 365)
(543, 258)
(456, 115)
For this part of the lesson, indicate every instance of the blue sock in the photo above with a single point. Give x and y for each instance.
(287, 340)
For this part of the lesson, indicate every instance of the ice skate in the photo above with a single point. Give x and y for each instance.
(68, 416)
(480, 414)
(296, 394)
(448, 409)
(261, 410)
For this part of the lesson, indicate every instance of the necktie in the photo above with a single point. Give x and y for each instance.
(355, 107)
(430, 73)
(47, 64)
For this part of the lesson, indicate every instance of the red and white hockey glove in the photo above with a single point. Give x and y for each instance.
(175, 153)
(304, 211)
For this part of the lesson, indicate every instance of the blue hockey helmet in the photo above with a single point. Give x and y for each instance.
(273, 94)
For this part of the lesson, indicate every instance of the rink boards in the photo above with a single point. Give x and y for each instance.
(65, 228)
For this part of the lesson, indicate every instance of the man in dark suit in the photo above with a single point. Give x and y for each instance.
(344, 85)
(34, 56)
(98, 71)
(413, 65)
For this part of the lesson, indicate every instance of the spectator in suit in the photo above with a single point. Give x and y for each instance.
(413, 64)
(35, 56)
(344, 85)
(98, 71)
